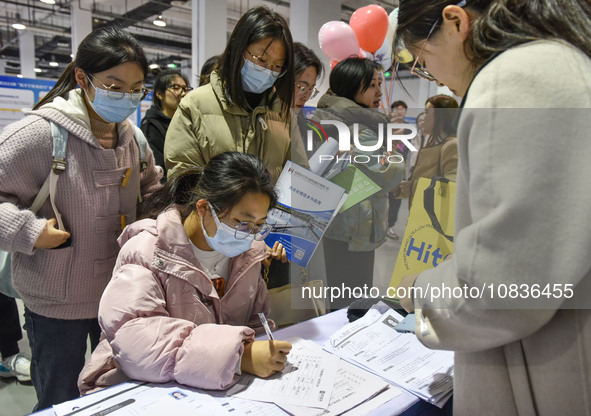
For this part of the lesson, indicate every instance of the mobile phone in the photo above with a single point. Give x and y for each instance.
(407, 325)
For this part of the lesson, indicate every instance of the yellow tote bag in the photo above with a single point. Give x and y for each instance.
(428, 238)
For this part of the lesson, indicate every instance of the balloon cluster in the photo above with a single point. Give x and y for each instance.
(369, 34)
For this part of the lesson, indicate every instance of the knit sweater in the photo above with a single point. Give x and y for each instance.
(67, 283)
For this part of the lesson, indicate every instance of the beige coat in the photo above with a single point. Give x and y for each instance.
(522, 217)
(438, 160)
(206, 124)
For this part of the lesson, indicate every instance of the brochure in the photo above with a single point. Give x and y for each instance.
(307, 203)
(357, 185)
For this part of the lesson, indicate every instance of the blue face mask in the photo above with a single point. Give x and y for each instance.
(224, 241)
(255, 78)
(110, 110)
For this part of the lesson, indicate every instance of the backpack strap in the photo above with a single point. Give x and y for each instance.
(58, 166)
(142, 145)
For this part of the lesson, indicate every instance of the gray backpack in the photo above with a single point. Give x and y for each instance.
(60, 142)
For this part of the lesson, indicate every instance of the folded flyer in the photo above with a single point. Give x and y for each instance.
(307, 203)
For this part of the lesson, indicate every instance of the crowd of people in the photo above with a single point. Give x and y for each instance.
(157, 251)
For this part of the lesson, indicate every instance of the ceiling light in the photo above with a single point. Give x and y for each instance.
(37, 70)
(19, 76)
(154, 66)
(48, 1)
(53, 63)
(159, 22)
(18, 25)
(172, 65)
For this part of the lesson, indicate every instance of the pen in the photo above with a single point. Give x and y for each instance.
(266, 325)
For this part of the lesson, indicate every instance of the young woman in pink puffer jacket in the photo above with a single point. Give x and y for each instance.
(184, 299)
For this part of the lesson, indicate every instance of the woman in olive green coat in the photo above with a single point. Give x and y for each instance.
(246, 106)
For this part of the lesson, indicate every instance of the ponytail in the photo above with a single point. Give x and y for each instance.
(65, 83)
(177, 191)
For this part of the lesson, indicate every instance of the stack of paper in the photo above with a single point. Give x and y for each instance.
(146, 399)
(373, 343)
(314, 383)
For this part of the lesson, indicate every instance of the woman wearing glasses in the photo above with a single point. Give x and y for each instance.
(169, 88)
(307, 70)
(523, 69)
(61, 273)
(192, 278)
(246, 105)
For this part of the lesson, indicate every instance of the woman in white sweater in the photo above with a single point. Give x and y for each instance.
(519, 319)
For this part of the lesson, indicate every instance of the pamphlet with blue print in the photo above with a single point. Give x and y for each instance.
(307, 203)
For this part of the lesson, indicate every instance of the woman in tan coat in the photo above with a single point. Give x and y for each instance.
(439, 156)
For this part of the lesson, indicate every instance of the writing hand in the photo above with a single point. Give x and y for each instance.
(51, 237)
(265, 358)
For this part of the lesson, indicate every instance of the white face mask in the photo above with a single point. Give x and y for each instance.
(224, 241)
(255, 78)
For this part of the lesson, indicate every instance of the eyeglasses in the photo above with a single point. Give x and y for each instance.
(114, 91)
(420, 70)
(305, 91)
(244, 229)
(261, 63)
(179, 89)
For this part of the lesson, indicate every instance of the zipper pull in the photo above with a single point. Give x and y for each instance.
(263, 123)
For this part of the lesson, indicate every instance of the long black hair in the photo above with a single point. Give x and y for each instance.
(162, 82)
(100, 50)
(256, 24)
(499, 25)
(352, 75)
(222, 182)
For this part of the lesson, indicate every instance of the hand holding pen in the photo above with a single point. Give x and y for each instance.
(265, 358)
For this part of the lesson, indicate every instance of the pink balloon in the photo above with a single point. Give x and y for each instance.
(370, 24)
(338, 41)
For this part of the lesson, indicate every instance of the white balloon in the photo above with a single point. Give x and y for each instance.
(384, 55)
(393, 19)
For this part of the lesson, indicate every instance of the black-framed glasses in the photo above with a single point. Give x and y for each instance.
(243, 229)
(178, 89)
(418, 69)
(261, 64)
(306, 91)
(114, 92)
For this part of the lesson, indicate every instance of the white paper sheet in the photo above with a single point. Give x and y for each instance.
(307, 380)
(352, 387)
(136, 399)
(373, 343)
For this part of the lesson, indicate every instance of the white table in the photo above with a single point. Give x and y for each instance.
(319, 330)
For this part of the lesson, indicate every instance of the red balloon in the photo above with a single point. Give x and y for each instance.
(370, 24)
(333, 63)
